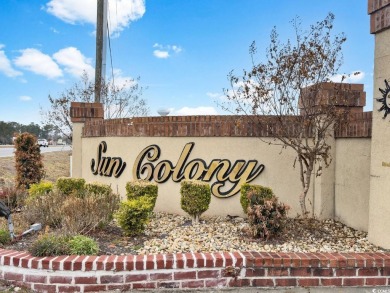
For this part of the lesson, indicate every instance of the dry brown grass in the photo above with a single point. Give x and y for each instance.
(56, 165)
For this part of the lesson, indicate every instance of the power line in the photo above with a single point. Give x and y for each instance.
(109, 45)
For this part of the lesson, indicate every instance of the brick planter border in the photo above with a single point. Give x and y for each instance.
(194, 270)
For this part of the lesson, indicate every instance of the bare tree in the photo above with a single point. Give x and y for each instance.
(288, 87)
(119, 101)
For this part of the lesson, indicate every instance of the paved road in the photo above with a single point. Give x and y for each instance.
(9, 152)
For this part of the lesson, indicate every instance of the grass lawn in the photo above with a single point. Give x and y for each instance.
(56, 165)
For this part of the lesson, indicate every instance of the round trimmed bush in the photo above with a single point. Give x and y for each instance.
(82, 245)
(41, 188)
(133, 215)
(98, 188)
(252, 194)
(138, 188)
(195, 198)
(68, 185)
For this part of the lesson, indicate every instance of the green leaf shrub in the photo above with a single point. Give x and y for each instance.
(5, 237)
(267, 219)
(28, 161)
(61, 244)
(50, 245)
(68, 185)
(138, 188)
(98, 188)
(252, 194)
(82, 245)
(41, 188)
(195, 198)
(134, 214)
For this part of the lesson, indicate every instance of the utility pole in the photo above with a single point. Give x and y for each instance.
(101, 45)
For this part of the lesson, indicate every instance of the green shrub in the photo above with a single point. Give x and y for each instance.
(54, 244)
(28, 161)
(138, 188)
(97, 188)
(82, 245)
(5, 237)
(256, 193)
(50, 245)
(195, 198)
(134, 214)
(267, 219)
(68, 185)
(41, 188)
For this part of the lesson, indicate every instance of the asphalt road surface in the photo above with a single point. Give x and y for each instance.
(9, 152)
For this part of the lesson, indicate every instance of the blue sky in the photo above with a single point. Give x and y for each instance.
(181, 49)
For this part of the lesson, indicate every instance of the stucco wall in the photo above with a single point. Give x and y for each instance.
(379, 228)
(278, 174)
(352, 181)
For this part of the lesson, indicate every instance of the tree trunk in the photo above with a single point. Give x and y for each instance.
(302, 201)
(195, 220)
(306, 186)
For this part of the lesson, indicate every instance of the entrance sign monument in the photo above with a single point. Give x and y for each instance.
(354, 189)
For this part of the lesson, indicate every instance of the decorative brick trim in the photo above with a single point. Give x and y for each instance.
(352, 98)
(184, 126)
(81, 112)
(375, 5)
(379, 11)
(360, 125)
(194, 270)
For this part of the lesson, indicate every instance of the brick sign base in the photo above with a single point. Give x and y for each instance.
(194, 270)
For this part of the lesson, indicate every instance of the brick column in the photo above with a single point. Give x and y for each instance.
(379, 203)
(80, 113)
(352, 98)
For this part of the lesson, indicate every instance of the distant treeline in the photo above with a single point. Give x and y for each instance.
(7, 130)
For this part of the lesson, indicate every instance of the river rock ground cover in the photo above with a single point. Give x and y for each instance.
(170, 233)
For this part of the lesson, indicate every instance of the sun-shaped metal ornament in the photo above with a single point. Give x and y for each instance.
(385, 100)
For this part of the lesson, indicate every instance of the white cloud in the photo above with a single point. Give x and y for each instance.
(74, 62)
(186, 111)
(5, 65)
(213, 95)
(161, 54)
(163, 51)
(354, 77)
(25, 98)
(123, 81)
(176, 49)
(39, 63)
(121, 13)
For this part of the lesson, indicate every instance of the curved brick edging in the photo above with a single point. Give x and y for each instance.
(193, 270)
